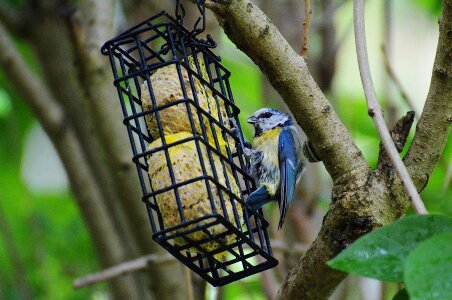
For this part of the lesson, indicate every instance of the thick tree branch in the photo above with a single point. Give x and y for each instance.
(436, 120)
(375, 110)
(87, 193)
(249, 28)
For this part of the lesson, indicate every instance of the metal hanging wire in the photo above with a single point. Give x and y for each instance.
(199, 25)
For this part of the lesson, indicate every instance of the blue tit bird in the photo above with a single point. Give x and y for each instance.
(277, 161)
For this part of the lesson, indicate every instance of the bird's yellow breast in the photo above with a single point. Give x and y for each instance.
(267, 143)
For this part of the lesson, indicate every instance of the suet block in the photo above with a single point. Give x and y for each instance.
(194, 196)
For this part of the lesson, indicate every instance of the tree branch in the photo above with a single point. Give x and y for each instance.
(147, 261)
(375, 110)
(122, 269)
(250, 29)
(306, 26)
(436, 120)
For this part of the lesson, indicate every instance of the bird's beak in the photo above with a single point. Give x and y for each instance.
(252, 120)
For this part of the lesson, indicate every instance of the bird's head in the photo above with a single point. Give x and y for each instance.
(266, 119)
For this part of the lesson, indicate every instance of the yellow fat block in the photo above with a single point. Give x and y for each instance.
(174, 119)
(194, 196)
(167, 88)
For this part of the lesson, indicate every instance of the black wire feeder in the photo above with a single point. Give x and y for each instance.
(187, 145)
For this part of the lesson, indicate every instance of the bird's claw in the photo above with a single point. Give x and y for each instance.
(234, 126)
(249, 152)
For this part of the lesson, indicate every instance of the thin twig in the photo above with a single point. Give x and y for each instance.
(135, 265)
(374, 108)
(306, 25)
(388, 67)
(145, 262)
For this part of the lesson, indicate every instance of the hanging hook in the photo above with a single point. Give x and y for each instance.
(200, 24)
(180, 12)
(180, 15)
(202, 10)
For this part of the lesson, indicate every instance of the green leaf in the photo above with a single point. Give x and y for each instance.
(401, 295)
(428, 269)
(381, 254)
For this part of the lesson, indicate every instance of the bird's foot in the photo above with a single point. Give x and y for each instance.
(249, 152)
(234, 127)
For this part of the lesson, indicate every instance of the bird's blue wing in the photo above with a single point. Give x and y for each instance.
(288, 172)
(258, 198)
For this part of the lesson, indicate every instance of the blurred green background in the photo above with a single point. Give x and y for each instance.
(44, 245)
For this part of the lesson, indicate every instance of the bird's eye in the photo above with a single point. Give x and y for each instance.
(266, 115)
